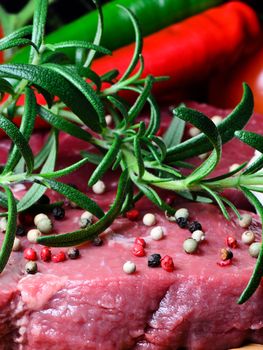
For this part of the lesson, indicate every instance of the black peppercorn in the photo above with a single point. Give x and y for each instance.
(182, 222)
(226, 254)
(194, 226)
(73, 253)
(43, 200)
(58, 213)
(97, 241)
(154, 260)
(20, 231)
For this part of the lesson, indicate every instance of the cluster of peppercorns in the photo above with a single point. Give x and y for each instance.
(181, 217)
(138, 249)
(247, 237)
(46, 255)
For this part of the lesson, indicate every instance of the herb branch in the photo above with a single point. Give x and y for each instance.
(147, 162)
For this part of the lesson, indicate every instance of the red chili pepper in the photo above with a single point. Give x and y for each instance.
(30, 254)
(231, 242)
(132, 214)
(140, 241)
(190, 50)
(61, 256)
(138, 250)
(167, 263)
(45, 254)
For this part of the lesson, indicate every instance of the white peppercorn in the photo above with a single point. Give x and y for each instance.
(254, 249)
(157, 233)
(245, 220)
(248, 237)
(129, 267)
(190, 245)
(182, 213)
(32, 235)
(149, 219)
(198, 235)
(99, 187)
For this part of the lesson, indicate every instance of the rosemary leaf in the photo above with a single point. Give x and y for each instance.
(236, 120)
(37, 190)
(75, 196)
(106, 162)
(9, 237)
(62, 124)
(26, 129)
(59, 86)
(20, 142)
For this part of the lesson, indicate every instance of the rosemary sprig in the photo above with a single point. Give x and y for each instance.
(147, 162)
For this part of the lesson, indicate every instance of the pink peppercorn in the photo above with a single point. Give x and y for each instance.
(167, 263)
(231, 242)
(45, 254)
(30, 254)
(138, 250)
(61, 256)
(140, 241)
(223, 263)
(132, 214)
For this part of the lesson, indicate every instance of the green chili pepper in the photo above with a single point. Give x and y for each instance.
(152, 15)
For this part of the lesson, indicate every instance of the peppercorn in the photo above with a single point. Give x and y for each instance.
(223, 263)
(248, 237)
(43, 200)
(40, 217)
(195, 225)
(99, 187)
(138, 250)
(3, 225)
(86, 219)
(44, 225)
(45, 254)
(149, 219)
(167, 263)
(140, 241)
(30, 254)
(60, 257)
(129, 267)
(157, 233)
(16, 245)
(226, 254)
(245, 220)
(198, 235)
(254, 249)
(231, 242)
(20, 231)
(154, 260)
(58, 213)
(97, 242)
(182, 222)
(31, 267)
(132, 214)
(73, 253)
(190, 245)
(182, 213)
(32, 235)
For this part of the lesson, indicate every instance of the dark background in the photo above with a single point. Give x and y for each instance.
(63, 11)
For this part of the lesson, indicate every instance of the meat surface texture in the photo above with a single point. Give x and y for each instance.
(91, 304)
